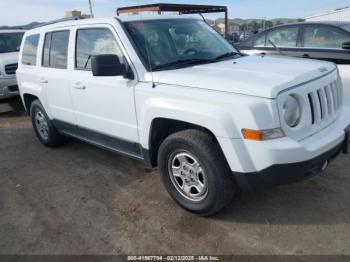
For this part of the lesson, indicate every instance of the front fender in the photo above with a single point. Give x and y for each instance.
(223, 114)
(210, 117)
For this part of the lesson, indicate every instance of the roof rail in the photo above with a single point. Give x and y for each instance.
(60, 20)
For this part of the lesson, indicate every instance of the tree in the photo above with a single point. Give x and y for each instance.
(268, 24)
(278, 22)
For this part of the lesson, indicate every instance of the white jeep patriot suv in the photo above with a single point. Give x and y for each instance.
(10, 42)
(172, 92)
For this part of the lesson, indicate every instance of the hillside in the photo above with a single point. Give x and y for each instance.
(28, 26)
(241, 21)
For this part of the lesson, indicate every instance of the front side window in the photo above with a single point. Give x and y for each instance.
(161, 43)
(260, 42)
(56, 49)
(95, 41)
(283, 37)
(10, 42)
(30, 50)
(324, 37)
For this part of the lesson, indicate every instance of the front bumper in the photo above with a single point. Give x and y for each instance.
(286, 173)
(8, 87)
(257, 165)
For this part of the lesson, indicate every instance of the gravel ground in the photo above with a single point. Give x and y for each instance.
(78, 199)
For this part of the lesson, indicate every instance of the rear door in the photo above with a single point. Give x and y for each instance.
(55, 76)
(324, 42)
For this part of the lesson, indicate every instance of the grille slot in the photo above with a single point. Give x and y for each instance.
(321, 101)
(13, 88)
(312, 109)
(11, 69)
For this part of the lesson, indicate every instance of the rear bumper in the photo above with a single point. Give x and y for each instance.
(8, 87)
(286, 173)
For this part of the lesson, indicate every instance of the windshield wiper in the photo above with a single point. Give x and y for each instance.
(226, 55)
(182, 63)
(87, 61)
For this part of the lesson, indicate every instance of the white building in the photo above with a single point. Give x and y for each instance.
(340, 14)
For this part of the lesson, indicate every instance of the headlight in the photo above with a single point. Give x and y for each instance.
(291, 111)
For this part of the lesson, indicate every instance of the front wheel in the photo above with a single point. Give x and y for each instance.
(195, 172)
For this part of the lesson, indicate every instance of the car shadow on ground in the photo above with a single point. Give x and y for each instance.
(322, 200)
(11, 107)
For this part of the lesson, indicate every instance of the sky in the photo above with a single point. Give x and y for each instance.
(19, 12)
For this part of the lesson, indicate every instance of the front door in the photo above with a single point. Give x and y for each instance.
(104, 106)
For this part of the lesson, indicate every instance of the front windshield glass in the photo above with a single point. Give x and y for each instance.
(10, 42)
(346, 27)
(175, 43)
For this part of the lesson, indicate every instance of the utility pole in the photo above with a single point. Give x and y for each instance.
(91, 13)
(264, 23)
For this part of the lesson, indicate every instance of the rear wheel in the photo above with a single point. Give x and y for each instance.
(195, 172)
(43, 126)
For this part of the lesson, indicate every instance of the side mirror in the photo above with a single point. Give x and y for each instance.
(109, 65)
(346, 45)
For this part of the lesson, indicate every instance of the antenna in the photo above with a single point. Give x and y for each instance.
(90, 6)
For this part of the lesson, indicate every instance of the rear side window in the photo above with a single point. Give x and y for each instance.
(95, 41)
(260, 41)
(30, 50)
(56, 49)
(324, 37)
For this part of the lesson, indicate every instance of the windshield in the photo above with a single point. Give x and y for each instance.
(346, 27)
(10, 42)
(175, 43)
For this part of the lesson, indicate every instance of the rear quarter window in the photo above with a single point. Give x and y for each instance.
(30, 50)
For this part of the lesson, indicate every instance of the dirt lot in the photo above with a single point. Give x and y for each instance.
(78, 199)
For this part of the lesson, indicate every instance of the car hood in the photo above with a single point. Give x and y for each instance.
(262, 76)
(9, 58)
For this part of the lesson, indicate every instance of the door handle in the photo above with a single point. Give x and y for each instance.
(79, 85)
(306, 56)
(43, 81)
(263, 53)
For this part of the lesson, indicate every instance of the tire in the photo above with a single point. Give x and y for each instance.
(210, 186)
(43, 126)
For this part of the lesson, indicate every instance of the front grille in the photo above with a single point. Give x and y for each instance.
(11, 69)
(325, 102)
(13, 88)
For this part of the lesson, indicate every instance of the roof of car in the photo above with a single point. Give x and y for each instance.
(334, 23)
